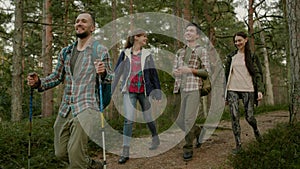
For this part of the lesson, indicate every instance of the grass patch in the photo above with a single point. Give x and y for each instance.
(279, 149)
(14, 144)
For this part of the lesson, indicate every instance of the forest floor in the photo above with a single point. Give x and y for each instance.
(213, 154)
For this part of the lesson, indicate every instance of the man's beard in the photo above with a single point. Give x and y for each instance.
(82, 35)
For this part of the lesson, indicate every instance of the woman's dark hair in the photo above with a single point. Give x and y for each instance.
(130, 39)
(248, 56)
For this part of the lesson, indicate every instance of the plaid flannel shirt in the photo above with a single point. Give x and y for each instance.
(80, 87)
(198, 60)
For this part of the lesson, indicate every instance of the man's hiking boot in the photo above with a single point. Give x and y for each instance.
(187, 156)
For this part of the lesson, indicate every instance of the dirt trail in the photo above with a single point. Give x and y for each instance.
(212, 154)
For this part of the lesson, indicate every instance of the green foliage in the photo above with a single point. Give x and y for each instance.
(279, 149)
(5, 79)
(117, 123)
(36, 103)
(5, 104)
(14, 144)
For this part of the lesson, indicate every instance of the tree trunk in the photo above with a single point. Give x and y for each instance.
(131, 13)
(269, 97)
(60, 88)
(293, 18)
(115, 51)
(114, 57)
(16, 97)
(195, 12)
(208, 6)
(47, 99)
(250, 24)
(186, 10)
(179, 31)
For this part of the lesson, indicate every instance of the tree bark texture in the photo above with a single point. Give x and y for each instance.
(66, 32)
(269, 98)
(207, 12)
(186, 10)
(47, 99)
(114, 56)
(293, 17)
(250, 24)
(178, 14)
(16, 97)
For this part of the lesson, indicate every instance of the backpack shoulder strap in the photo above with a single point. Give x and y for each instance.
(67, 50)
(196, 50)
(95, 47)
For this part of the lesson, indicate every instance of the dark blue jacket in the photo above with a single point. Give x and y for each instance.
(150, 76)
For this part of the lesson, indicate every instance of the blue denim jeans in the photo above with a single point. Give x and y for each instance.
(130, 105)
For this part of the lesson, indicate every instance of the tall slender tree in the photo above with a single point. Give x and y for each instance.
(115, 54)
(208, 6)
(178, 14)
(293, 16)
(16, 99)
(269, 98)
(66, 32)
(47, 99)
(131, 13)
(251, 23)
(187, 10)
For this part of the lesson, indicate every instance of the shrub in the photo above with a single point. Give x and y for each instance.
(279, 149)
(14, 145)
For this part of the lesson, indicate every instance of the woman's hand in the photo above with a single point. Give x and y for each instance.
(260, 96)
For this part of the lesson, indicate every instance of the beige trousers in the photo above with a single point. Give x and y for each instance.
(70, 141)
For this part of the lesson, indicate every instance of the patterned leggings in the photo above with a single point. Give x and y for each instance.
(248, 102)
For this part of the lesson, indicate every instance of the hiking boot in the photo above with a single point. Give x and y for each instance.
(96, 164)
(155, 143)
(125, 155)
(187, 156)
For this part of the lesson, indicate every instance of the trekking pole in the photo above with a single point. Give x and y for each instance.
(30, 125)
(102, 123)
